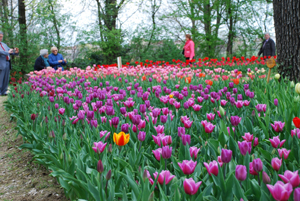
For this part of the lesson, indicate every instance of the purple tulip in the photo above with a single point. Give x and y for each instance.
(141, 136)
(245, 147)
(297, 194)
(157, 153)
(90, 115)
(56, 106)
(166, 152)
(194, 152)
(235, 120)
(159, 129)
(136, 119)
(276, 102)
(99, 147)
(110, 111)
(156, 112)
(143, 108)
(241, 172)
(163, 119)
(212, 168)
(190, 187)
(257, 165)
(226, 155)
(125, 127)
(186, 139)
(266, 178)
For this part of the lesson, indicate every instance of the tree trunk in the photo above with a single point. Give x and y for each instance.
(55, 23)
(23, 35)
(4, 20)
(230, 33)
(207, 28)
(287, 28)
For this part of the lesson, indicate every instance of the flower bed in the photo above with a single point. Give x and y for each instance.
(162, 133)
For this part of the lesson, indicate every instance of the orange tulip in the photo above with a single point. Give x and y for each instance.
(209, 82)
(236, 81)
(201, 75)
(144, 78)
(188, 80)
(121, 139)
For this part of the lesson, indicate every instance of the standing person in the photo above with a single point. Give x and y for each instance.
(56, 60)
(42, 62)
(5, 65)
(189, 51)
(268, 47)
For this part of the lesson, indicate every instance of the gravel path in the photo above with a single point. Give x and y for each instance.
(21, 180)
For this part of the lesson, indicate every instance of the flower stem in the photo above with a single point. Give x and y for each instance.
(258, 179)
(166, 164)
(224, 164)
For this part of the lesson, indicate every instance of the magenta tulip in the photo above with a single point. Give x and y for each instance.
(251, 169)
(61, 111)
(190, 187)
(245, 147)
(280, 191)
(257, 165)
(248, 137)
(194, 152)
(276, 163)
(278, 126)
(166, 152)
(99, 147)
(297, 194)
(291, 177)
(235, 120)
(159, 129)
(210, 116)
(157, 153)
(266, 178)
(255, 142)
(187, 167)
(241, 172)
(165, 175)
(283, 152)
(276, 141)
(226, 155)
(212, 168)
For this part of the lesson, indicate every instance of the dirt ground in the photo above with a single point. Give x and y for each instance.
(21, 180)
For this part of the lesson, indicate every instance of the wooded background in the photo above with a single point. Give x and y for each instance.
(218, 27)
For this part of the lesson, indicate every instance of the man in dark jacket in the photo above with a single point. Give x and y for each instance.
(268, 47)
(42, 62)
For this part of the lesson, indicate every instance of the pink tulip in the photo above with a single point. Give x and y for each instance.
(187, 167)
(278, 126)
(245, 147)
(251, 169)
(157, 153)
(297, 194)
(257, 165)
(276, 163)
(246, 103)
(295, 132)
(188, 123)
(255, 142)
(226, 155)
(223, 102)
(212, 168)
(248, 137)
(280, 191)
(159, 129)
(99, 147)
(197, 107)
(276, 141)
(194, 152)
(190, 187)
(165, 175)
(291, 177)
(283, 152)
(61, 111)
(166, 140)
(239, 104)
(210, 116)
(220, 161)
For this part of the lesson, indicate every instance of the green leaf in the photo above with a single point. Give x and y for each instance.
(94, 192)
(131, 183)
(255, 188)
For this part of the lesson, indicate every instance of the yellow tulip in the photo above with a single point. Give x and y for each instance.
(121, 139)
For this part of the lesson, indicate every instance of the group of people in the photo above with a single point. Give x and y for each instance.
(267, 48)
(54, 60)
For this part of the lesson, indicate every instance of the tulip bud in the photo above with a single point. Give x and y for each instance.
(296, 99)
(145, 174)
(69, 158)
(108, 175)
(255, 142)
(151, 197)
(292, 84)
(61, 156)
(266, 178)
(110, 148)
(241, 172)
(222, 111)
(277, 76)
(100, 167)
(297, 88)
(65, 136)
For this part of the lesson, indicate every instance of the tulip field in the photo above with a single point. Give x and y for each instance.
(211, 131)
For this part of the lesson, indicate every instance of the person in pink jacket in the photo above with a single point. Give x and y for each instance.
(189, 48)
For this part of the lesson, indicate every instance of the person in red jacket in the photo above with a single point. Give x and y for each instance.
(189, 48)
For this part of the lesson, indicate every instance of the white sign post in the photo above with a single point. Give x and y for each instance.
(119, 62)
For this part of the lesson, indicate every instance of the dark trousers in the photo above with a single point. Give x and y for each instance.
(4, 78)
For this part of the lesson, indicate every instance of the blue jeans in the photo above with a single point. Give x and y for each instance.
(4, 78)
